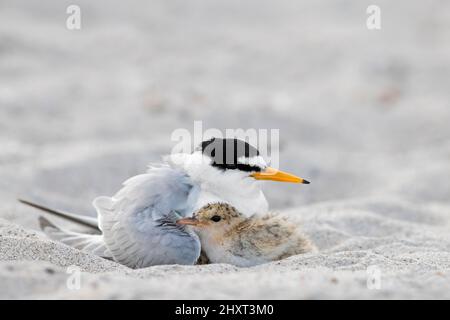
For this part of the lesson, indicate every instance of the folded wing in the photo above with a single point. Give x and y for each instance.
(138, 222)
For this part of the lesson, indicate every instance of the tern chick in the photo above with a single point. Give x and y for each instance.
(227, 236)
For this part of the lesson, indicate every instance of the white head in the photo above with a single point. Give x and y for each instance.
(231, 156)
(229, 169)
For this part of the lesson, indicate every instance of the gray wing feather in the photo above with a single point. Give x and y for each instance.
(93, 244)
(162, 189)
(137, 222)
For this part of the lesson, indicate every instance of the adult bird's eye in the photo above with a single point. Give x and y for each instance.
(216, 218)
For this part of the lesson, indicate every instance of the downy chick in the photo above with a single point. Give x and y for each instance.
(227, 236)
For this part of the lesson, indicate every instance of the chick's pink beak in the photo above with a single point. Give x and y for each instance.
(188, 221)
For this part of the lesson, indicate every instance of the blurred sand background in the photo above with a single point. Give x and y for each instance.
(362, 114)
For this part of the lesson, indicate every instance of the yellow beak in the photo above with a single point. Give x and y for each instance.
(277, 175)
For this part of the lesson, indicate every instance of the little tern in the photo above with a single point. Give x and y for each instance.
(138, 224)
(227, 236)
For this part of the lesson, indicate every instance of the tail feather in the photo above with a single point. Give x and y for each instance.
(90, 243)
(93, 244)
(83, 220)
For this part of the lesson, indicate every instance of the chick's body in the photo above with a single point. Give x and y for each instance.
(229, 237)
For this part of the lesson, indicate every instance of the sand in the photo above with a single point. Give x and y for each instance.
(362, 114)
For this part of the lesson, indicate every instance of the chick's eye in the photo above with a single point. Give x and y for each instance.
(216, 218)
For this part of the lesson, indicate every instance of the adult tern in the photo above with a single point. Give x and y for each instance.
(138, 224)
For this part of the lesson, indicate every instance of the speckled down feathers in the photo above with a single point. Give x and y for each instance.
(244, 241)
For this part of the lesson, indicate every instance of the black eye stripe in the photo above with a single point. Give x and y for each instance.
(239, 166)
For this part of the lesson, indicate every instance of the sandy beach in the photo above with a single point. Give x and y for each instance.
(363, 114)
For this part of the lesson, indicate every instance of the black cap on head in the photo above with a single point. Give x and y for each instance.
(226, 152)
